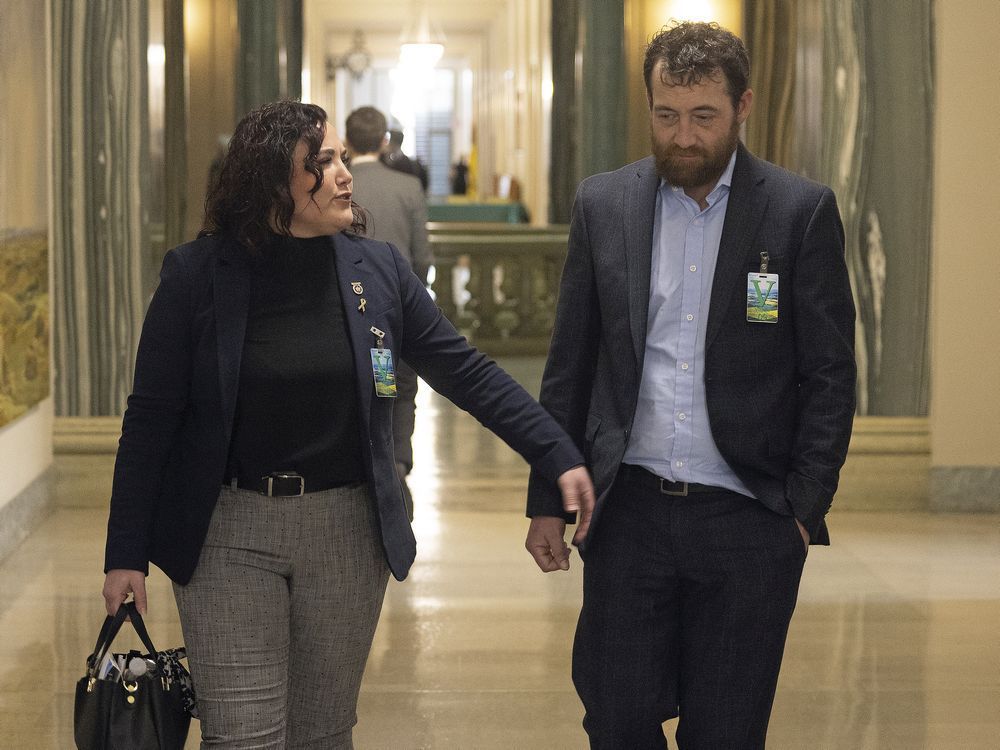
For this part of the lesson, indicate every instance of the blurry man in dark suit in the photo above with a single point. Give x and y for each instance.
(398, 211)
(393, 157)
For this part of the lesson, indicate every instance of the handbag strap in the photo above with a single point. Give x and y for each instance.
(109, 631)
(112, 624)
(140, 628)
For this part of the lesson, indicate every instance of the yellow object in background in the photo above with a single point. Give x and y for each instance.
(472, 185)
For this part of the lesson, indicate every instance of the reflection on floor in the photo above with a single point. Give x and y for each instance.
(895, 643)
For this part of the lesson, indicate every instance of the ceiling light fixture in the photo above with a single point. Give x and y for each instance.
(421, 44)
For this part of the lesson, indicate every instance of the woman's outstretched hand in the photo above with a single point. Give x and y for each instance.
(578, 496)
(546, 535)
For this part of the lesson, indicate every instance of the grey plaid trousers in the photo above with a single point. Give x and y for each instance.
(279, 617)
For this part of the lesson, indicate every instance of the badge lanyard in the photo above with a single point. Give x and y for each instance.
(762, 294)
(382, 367)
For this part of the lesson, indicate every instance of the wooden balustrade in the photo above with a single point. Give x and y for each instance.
(498, 283)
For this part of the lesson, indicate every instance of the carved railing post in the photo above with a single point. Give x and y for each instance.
(498, 283)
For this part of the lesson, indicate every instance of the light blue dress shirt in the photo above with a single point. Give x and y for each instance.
(670, 434)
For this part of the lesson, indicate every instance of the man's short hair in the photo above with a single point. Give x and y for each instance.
(691, 51)
(366, 128)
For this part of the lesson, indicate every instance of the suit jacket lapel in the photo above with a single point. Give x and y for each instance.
(744, 211)
(637, 214)
(351, 268)
(232, 302)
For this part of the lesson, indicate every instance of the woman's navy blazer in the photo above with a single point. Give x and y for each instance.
(177, 428)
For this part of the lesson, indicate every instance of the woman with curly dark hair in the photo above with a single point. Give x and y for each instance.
(255, 465)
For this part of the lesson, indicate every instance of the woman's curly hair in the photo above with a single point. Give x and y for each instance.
(250, 198)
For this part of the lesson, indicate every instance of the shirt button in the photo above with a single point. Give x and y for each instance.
(682, 416)
(690, 317)
(679, 464)
(694, 268)
(684, 365)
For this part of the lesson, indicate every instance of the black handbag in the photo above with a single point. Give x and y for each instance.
(146, 706)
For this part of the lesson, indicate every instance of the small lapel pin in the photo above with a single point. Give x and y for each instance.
(356, 286)
(364, 302)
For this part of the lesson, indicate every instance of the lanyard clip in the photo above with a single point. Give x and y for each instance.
(379, 336)
(763, 261)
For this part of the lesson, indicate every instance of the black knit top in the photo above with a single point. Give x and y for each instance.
(297, 406)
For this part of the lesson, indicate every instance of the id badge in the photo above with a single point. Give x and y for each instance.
(384, 372)
(762, 297)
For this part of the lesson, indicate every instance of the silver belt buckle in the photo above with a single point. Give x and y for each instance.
(673, 493)
(272, 477)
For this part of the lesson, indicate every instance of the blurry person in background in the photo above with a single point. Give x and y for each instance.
(393, 157)
(397, 213)
(459, 177)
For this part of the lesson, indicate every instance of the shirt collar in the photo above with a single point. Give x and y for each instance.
(364, 158)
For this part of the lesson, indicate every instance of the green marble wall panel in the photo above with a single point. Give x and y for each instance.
(876, 153)
(844, 94)
(100, 158)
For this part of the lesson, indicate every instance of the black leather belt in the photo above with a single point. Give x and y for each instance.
(287, 484)
(275, 484)
(644, 479)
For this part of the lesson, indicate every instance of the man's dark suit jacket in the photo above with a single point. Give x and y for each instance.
(178, 424)
(781, 397)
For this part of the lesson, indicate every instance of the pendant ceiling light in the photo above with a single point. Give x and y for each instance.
(421, 44)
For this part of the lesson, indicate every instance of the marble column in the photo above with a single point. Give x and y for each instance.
(589, 95)
(100, 145)
(565, 137)
(175, 146)
(269, 65)
(601, 86)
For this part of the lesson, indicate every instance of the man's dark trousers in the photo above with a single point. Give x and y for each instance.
(686, 607)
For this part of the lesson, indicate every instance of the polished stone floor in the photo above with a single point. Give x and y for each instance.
(895, 642)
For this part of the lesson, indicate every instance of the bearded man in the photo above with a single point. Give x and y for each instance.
(703, 361)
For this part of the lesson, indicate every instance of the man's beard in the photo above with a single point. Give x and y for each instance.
(693, 173)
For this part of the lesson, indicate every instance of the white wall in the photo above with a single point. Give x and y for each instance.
(515, 100)
(25, 450)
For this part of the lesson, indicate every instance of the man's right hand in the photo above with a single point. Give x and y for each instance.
(547, 543)
(118, 584)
